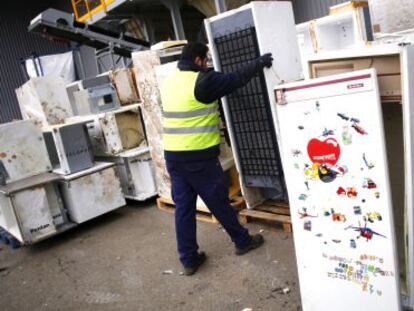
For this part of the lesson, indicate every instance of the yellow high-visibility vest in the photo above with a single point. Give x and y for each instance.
(187, 123)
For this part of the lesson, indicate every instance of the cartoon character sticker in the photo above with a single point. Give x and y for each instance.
(365, 232)
(324, 156)
(305, 214)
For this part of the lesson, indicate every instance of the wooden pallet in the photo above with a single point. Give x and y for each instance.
(167, 205)
(272, 212)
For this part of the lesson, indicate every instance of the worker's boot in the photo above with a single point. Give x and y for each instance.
(200, 260)
(255, 242)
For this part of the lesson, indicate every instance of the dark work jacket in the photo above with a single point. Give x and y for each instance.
(210, 86)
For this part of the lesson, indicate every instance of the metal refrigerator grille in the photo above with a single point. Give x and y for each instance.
(249, 107)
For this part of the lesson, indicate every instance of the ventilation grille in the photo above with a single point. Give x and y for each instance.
(249, 107)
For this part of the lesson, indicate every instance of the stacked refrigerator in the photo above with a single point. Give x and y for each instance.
(118, 136)
(31, 207)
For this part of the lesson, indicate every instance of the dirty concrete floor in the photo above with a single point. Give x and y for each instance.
(116, 262)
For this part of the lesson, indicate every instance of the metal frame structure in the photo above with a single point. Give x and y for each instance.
(60, 25)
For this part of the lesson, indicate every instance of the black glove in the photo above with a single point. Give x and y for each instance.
(266, 60)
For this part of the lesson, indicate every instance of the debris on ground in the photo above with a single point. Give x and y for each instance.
(247, 309)
(261, 230)
(4, 271)
(281, 290)
(167, 272)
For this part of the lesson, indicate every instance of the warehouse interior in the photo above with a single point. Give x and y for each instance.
(87, 210)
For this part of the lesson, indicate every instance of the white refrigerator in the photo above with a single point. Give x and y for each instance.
(333, 153)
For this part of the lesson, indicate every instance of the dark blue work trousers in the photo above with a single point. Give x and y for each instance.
(206, 179)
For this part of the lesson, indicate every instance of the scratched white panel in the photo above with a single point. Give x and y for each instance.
(392, 15)
(23, 150)
(33, 210)
(92, 195)
(333, 153)
(44, 100)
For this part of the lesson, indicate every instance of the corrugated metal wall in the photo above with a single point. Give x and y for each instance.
(306, 10)
(16, 43)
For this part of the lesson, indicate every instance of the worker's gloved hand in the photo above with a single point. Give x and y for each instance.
(266, 60)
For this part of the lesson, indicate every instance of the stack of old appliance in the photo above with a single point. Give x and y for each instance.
(31, 208)
(109, 105)
(88, 189)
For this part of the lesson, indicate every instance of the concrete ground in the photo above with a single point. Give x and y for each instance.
(117, 262)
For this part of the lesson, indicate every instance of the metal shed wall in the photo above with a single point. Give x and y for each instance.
(306, 10)
(16, 43)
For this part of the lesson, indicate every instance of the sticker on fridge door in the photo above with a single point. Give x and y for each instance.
(324, 155)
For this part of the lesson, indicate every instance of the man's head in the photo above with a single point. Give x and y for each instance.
(195, 52)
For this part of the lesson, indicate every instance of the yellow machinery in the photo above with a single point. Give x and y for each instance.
(85, 9)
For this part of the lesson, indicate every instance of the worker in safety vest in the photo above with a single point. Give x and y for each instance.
(191, 140)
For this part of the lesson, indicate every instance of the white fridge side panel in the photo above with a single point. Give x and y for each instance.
(142, 172)
(44, 99)
(23, 150)
(29, 104)
(56, 205)
(8, 220)
(92, 195)
(34, 214)
(334, 158)
(63, 160)
(54, 98)
(98, 141)
(280, 40)
(276, 34)
(407, 70)
(111, 133)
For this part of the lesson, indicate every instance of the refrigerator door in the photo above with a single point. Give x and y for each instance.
(407, 71)
(333, 154)
(237, 37)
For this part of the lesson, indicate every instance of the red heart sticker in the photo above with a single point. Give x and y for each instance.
(324, 152)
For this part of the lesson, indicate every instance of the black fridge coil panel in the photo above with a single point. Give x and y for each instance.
(249, 108)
